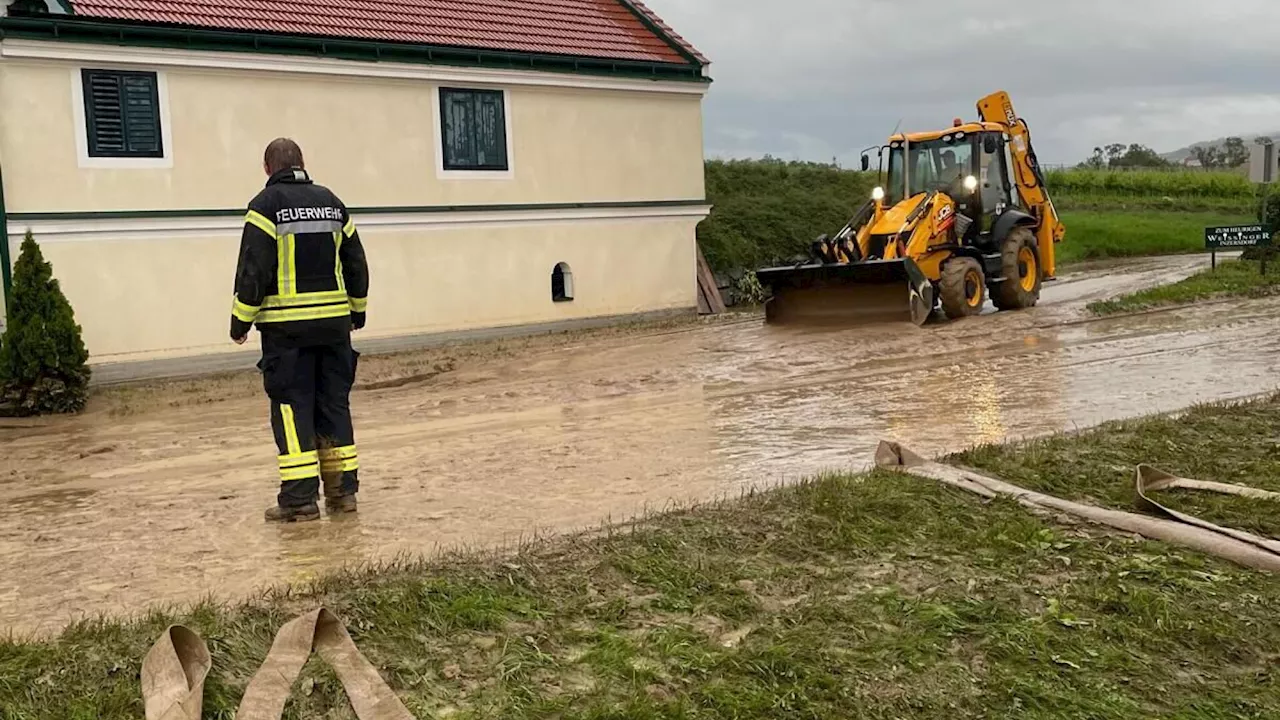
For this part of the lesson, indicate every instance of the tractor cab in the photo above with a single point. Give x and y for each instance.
(969, 163)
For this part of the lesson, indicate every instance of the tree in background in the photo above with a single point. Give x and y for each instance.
(1135, 156)
(43, 360)
(1237, 153)
(1232, 154)
(1096, 161)
(1121, 156)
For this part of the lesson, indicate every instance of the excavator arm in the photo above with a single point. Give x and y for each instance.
(998, 108)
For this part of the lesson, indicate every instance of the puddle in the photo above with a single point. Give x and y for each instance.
(505, 447)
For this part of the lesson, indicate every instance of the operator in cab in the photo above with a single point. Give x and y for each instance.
(951, 179)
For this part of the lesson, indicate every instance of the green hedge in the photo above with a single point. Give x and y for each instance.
(1154, 183)
(1273, 207)
(1153, 191)
(767, 211)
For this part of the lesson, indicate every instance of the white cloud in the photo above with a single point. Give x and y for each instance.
(823, 76)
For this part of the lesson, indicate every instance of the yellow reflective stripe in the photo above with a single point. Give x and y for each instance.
(242, 312)
(346, 451)
(296, 314)
(322, 297)
(282, 268)
(289, 265)
(290, 430)
(300, 459)
(299, 473)
(347, 465)
(350, 228)
(337, 262)
(340, 465)
(261, 222)
(340, 459)
(286, 265)
(359, 304)
(295, 465)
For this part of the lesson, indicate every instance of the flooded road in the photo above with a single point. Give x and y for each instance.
(112, 512)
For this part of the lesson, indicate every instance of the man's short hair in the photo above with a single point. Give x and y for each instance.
(283, 154)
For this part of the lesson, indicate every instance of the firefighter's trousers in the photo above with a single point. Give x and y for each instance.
(309, 388)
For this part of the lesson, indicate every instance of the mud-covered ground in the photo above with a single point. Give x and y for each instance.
(155, 495)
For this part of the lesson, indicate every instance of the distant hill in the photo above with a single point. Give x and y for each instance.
(1184, 153)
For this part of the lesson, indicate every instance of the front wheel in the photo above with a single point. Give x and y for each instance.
(1023, 276)
(963, 287)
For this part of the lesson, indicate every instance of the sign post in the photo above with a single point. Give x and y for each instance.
(1263, 161)
(1263, 167)
(1237, 236)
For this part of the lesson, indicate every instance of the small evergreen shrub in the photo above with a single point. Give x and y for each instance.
(43, 360)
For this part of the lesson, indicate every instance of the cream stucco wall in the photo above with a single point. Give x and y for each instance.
(156, 286)
(373, 140)
(157, 297)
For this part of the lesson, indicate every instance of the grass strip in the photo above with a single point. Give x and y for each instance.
(1096, 235)
(1232, 278)
(876, 596)
(1105, 201)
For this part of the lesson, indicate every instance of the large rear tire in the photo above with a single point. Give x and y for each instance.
(964, 288)
(1023, 276)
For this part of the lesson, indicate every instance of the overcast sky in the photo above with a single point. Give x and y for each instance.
(816, 79)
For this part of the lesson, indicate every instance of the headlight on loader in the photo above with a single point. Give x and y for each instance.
(971, 183)
(877, 194)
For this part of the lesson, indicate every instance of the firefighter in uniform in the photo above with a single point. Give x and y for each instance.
(301, 279)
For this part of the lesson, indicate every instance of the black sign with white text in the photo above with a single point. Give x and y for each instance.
(1237, 236)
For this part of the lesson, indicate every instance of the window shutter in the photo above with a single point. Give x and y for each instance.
(142, 115)
(459, 140)
(105, 115)
(474, 127)
(122, 112)
(491, 133)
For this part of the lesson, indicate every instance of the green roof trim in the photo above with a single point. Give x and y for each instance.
(69, 29)
(20, 217)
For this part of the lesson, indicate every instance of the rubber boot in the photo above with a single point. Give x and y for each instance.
(292, 513)
(335, 503)
(340, 504)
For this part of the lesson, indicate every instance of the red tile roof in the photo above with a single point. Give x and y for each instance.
(584, 28)
(666, 29)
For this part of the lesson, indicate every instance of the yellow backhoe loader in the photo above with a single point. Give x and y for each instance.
(963, 214)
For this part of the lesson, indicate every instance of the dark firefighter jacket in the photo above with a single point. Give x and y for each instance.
(301, 277)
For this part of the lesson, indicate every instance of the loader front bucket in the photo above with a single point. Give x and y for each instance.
(863, 293)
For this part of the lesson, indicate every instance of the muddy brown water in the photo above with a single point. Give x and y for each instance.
(111, 512)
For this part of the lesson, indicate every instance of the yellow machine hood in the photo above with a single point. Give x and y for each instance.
(893, 218)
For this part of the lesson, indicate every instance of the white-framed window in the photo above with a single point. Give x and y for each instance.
(122, 118)
(473, 133)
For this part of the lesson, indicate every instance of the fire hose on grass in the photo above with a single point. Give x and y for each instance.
(174, 671)
(1173, 527)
